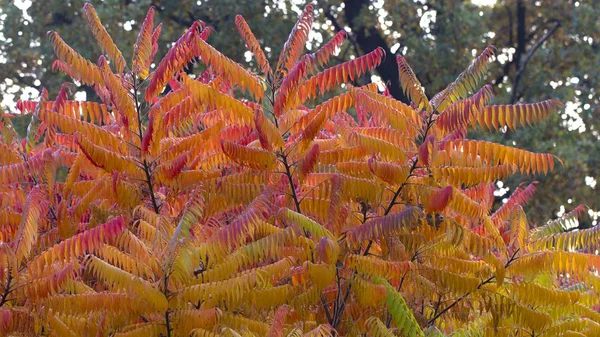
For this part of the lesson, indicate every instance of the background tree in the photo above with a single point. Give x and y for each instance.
(553, 45)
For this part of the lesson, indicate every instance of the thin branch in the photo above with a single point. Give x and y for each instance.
(341, 307)
(528, 57)
(336, 304)
(388, 319)
(288, 173)
(392, 203)
(6, 288)
(329, 319)
(168, 312)
(145, 165)
(490, 279)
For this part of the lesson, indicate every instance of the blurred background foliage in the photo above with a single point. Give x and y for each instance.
(546, 49)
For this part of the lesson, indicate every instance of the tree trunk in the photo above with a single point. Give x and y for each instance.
(368, 39)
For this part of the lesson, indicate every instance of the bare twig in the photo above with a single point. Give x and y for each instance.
(393, 203)
(144, 163)
(288, 174)
(528, 57)
(4, 298)
(512, 259)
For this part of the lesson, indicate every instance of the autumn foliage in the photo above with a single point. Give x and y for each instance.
(231, 203)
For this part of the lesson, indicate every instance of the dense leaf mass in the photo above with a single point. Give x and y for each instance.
(223, 203)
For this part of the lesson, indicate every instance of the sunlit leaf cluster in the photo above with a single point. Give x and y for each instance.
(221, 202)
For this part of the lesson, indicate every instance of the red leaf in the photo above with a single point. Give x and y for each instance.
(437, 200)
